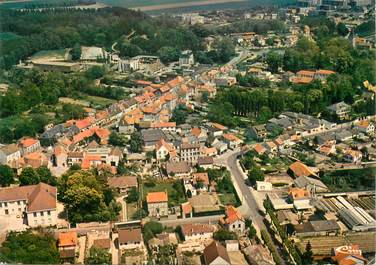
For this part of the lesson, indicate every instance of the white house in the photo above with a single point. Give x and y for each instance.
(9, 153)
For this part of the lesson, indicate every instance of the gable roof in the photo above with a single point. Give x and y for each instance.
(120, 182)
(177, 167)
(66, 239)
(153, 197)
(9, 149)
(299, 169)
(232, 215)
(130, 235)
(215, 250)
(193, 229)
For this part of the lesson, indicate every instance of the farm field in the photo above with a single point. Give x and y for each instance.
(322, 246)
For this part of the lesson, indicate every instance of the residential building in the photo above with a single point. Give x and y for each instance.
(157, 203)
(233, 220)
(317, 228)
(178, 169)
(152, 136)
(353, 156)
(258, 132)
(365, 127)
(298, 169)
(340, 109)
(216, 254)
(189, 152)
(130, 238)
(197, 231)
(123, 184)
(186, 59)
(164, 150)
(205, 162)
(232, 140)
(67, 244)
(36, 202)
(28, 145)
(9, 154)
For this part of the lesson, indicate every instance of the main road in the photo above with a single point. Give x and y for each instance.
(249, 206)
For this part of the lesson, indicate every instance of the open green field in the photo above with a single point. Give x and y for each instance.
(175, 197)
(4, 36)
(99, 102)
(50, 54)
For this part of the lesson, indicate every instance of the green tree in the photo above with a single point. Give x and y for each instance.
(150, 229)
(86, 197)
(136, 142)
(223, 235)
(98, 256)
(274, 61)
(30, 247)
(180, 114)
(116, 139)
(6, 176)
(29, 176)
(76, 52)
(255, 174)
(297, 106)
(342, 29)
(168, 54)
(307, 255)
(133, 195)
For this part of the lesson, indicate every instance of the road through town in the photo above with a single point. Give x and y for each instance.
(249, 206)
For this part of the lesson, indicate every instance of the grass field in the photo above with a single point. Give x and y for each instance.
(228, 199)
(99, 102)
(50, 54)
(4, 36)
(173, 197)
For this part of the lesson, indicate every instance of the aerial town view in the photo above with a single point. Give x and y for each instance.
(172, 132)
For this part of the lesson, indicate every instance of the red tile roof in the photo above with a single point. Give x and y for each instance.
(67, 239)
(154, 197)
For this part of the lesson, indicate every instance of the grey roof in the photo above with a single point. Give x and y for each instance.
(343, 134)
(177, 167)
(338, 106)
(317, 226)
(54, 132)
(303, 182)
(153, 135)
(9, 149)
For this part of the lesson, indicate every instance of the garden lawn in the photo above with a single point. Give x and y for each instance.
(175, 196)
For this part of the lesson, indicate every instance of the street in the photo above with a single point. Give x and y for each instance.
(249, 206)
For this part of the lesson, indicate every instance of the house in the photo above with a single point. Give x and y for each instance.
(178, 169)
(353, 156)
(271, 147)
(36, 202)
(232, 140)
(36, 160)
(205, 162)
(348, 254)
(28, 145)
(298, 169)
(198, 183)
(343, 135)
(259, 149)
(340, 109)
(67, 244)
(216, 129)
(151, 136)
(189, 152)
(161, 240)
(311, 184)
(130, 238)
(220, 146)
(365, 127)
(317, 228)
(300, 198)
(197, 231)
(123, 184)
(186, 59)
(258, 132)
(233, 220)
(59, 157)
(157, 203)
(208, 151)
(216, 254)
(164, 150)
(263, 186)
(9, 154)
(327, 149)
(75, 158)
